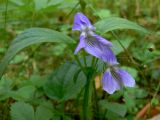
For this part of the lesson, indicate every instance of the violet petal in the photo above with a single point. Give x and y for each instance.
(109, 83)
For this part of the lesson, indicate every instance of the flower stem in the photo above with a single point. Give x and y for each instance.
(87, 97)
(80, 65)
(84, 59)
(89, 73)
(85, 104)
(93, 61)
(95, 100)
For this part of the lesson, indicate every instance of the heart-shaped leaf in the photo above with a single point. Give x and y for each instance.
(62, 84)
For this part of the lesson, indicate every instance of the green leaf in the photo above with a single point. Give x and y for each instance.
(114, 23)
(37, 80)
(58, 49)
(116, 96)
(129, 100)
(141, 93)
(19, 58)
(29, 37)
(18, 2)
(142, 53)
(117, 48)
(54, 2)
(103, 13)
(6, 86)
(2, 50)
(41, 4)
(154, 102)
(23, 93)
(112, 116)
(22, 111)
(119, 109)
(43, 113)
(62, 84)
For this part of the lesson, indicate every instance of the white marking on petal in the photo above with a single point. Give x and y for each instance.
(91, 33)
(83, 28)
(83, 34)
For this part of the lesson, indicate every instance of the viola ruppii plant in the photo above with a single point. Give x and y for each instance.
(114, 77)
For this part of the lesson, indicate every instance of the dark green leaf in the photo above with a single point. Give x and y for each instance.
(37, 80)
(117, 95)
(112, 116)
(129, 100)
(62, 84)
(119, 109)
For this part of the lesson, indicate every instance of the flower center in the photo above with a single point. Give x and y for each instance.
(87, 30)
(90, 40)
(115, 74)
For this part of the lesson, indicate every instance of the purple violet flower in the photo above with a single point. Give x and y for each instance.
(92, 43)
(115, 78)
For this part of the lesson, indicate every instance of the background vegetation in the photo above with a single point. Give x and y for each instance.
(26, 92)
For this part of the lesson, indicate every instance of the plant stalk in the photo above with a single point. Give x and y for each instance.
(87, 97)
(85, 104)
